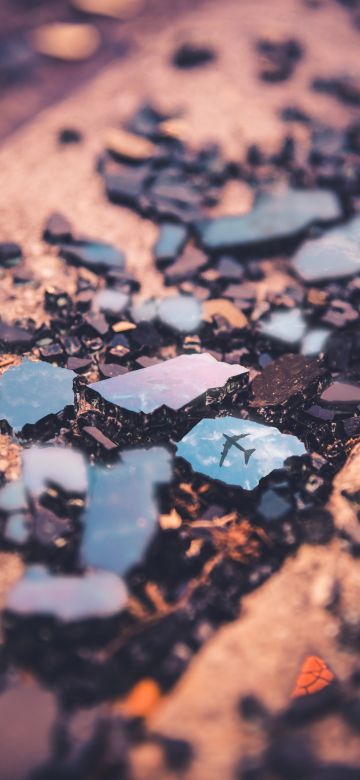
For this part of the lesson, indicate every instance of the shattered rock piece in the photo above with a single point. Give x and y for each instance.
(172, 383)
(191, 55)
(273, 506)
(344, 88)
(95, 255)
(335, 255)
(181, 312)
(32, 391)
(57, 229)
(60, 466)
(341, 393)
(220, 307)
(275, 217)
(12, 337)
(128, 146)
(170, 242)
(111, 302)
(278, 59)
(68, 598)
(10, 254)
(79, 364)
(99, 439)
(314, 341)
(64, 41)
(69, 135)
(124, 184)
(230, 270)
(284, 378)
(186, 266)
(122, 514)
(237, 452)
(288, 326)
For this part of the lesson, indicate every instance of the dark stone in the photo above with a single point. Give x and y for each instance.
(11, 336)
(69, 135)
(52, 351)
(190, 55)
(10, 254)
(97, 323)
(274, 219)
(57, 229)
(278, 59)
(316, 526)
(79, 364)
(108, 370)
(273, 506)
(95, 255)
(344, 88)
(170, 242)
(99, 439)
(341, 393)
(284, 378)
(191, 261)
(178, 754)
(229, 269)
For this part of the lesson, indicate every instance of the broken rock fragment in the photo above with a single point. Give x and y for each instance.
(237, 452)
(172, 383)
(274, 218)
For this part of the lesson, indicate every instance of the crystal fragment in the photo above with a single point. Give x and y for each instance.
(33, 390)
(172, 383)
(67, 598)
(122, 514)
(274, 217)
(95, 255)
(237, 452)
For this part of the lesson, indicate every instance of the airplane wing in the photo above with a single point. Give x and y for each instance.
(240, 436)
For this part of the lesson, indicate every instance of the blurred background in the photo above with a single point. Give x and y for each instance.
(42, 58)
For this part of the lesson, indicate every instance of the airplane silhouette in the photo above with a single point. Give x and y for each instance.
(231, 441)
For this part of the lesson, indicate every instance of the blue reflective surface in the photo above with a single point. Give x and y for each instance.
(172, 383)
(288, 326)
(68, 598)
(32, 390)
(275, 215)
(237, 452)
(122, 514)
(333, 256)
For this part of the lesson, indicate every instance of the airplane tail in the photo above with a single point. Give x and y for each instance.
(247, 455)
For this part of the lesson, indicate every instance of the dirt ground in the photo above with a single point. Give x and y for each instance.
(288, 617)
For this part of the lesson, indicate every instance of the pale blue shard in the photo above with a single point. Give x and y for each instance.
(170, 241)
(314, 341)
(33, 390)
(237, 452)
(111, 301)
(288, 326)
(67, 597)
(335, 255)
(180, 312)
(122, 513)
(275, 216)
(51, 465)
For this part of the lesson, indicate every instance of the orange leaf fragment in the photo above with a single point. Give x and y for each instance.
(141, 700)
(314, 676)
